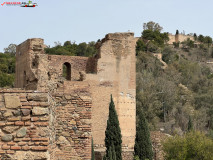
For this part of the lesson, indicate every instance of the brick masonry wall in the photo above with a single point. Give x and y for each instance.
(77, 64)
(157, 137)
(24, 125)
(36, 125)
(72, 127)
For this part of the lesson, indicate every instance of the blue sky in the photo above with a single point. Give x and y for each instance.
(90, 20)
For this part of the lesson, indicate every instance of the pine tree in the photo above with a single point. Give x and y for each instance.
(143, 146)
(92, 152)
(113, 138)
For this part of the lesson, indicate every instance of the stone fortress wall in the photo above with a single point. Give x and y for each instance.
(40, 126)
(178, 38)
(77, 107)
(24, 125)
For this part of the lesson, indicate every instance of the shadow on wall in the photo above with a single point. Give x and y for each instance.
(91, 66)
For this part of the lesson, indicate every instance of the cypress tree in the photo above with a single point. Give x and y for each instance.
(104, 158)
(110, 154)
(113, 138)
(113, 152)
(190, 125)
(92, 152)
(143, 146)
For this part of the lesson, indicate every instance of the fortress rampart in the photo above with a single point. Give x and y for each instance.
(179, 38)
(77, 105)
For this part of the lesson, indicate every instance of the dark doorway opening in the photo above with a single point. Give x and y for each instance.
(67, 71)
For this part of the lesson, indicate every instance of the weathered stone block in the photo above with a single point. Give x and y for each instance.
(7, 137)
(19, 123)
(37, 111)
(14, 118)
(2, 123)
(5, 147)
(8, 114)
(21, 132)
(39, 148)
(12, 101)
(26, 118)
(73, 122)
(65, 134)
(15, 148)
(43, 132)
(62, 140)
(25, 112)
(37, 97)
(10, 129)
(86, 121)
(68, 97)
(16, 113)
(82, 76)
(45, 118)
(2, 104)
(1, 98)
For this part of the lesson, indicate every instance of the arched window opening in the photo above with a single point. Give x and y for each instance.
(67, 71)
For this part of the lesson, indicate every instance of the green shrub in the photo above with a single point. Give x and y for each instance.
(192, 146)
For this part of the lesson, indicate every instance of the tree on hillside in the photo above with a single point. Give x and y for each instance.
(67, 43)
(143, 146)
(140, 46)
(195, 36)
(10, 49)
(189, 43)
(57, 44)
(208, 40)
(81, 49)
(165, 37)
(152, 32)
(113, 138)
(152, 26)
(7, 69)
(201, 38)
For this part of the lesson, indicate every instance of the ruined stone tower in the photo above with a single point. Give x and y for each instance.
(111, 71)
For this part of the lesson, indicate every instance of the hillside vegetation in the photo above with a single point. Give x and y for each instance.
(72, 49)
(7, 69)
(180, 94)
